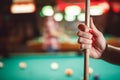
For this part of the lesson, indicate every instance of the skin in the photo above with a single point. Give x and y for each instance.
(91, 38)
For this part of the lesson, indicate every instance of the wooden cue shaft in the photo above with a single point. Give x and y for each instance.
(86, 54)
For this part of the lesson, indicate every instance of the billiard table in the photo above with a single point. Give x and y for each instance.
(38, 67)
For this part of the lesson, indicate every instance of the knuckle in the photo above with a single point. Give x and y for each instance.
(91, 41)
(79, 33)
(82, 47)
(79, 40)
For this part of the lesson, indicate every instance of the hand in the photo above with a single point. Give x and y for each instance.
(94, 40)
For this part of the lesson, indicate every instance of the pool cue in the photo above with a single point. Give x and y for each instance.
(86, 54)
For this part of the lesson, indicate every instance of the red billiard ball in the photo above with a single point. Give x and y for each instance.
(68, 72)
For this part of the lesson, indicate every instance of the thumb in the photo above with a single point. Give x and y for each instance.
(93, 27)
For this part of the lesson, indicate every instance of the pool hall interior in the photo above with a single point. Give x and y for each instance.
(38, 39)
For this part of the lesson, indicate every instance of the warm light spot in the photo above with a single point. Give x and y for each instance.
(96, 10)
(72, 10)
(23, 8)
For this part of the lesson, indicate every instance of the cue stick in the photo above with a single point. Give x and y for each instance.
(87, 52)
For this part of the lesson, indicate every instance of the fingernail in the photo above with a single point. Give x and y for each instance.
(81, 27)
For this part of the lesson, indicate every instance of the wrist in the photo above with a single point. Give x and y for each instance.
(105, 52)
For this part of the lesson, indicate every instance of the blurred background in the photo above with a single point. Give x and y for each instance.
(23, 21)
(50, 26)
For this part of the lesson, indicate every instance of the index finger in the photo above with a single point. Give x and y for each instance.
(83, 27)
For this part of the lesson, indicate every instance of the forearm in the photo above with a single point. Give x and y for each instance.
(111, 54)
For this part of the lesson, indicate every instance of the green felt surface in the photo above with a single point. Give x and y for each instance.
(39, 67)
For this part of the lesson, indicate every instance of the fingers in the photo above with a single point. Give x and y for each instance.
(84, 35)
(82, 40)
(84, 43)
(85, 38)
(83, 27)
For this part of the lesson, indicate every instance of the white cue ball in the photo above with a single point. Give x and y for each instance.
(1, 64)
(22, 65)
(90, 70)
(54, 66)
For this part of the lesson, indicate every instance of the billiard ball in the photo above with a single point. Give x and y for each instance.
(68, 72)
(1, 64)
(22, 65)
(54, 66)
(96, 77)
(90, 70)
